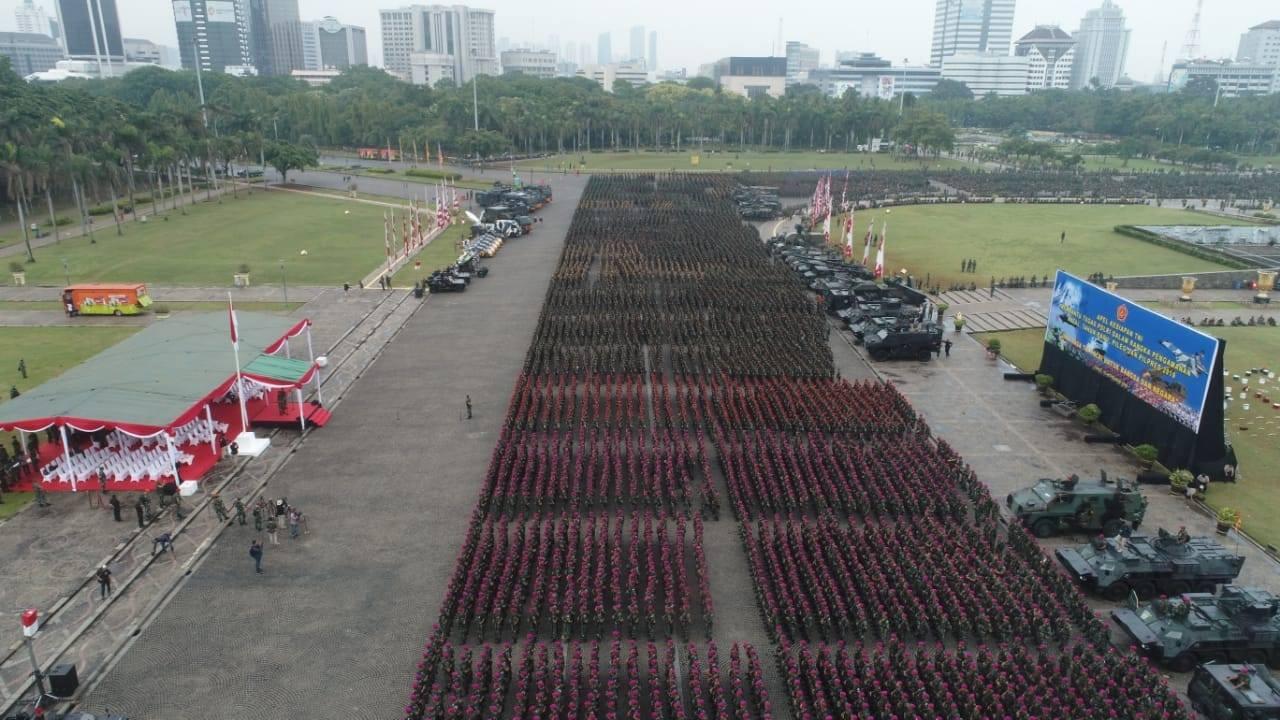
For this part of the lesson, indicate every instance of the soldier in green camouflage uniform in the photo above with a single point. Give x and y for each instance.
(220, 508)
(239, 506)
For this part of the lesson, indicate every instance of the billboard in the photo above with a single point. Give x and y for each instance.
(220, 11)
(888, 84)
(1162, 362)
(182, 11)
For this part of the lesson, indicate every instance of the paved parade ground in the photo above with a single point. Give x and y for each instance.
(334, 626)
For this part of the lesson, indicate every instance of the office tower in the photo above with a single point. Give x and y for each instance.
(29, 53)
(800, 60)
(214, 30)
(464, 34)
(328, 44)
(652, 58)
(275, 31)
(91, 30)
(31, 18)
(1261, 45)
(604, 49)
(1050, 53)
(584, 54)
(971, 26)
(637, 43)
(1102, 42)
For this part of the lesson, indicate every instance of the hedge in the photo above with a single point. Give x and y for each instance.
(1184, 248)
(433, 174)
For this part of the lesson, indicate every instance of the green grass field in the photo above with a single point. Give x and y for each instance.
(396, 174)
(48, 352)
(1024, 240)
(343, 241)
(1255, 433)
(178, 306)
(731, 161)
(441, 252)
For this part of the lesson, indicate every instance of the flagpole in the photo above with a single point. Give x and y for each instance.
(235, 348)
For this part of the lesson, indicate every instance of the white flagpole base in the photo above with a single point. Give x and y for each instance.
(252, 445)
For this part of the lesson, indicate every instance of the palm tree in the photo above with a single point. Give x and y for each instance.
(17, 173)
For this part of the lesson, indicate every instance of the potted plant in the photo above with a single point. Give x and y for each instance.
(1227, 519)
(241, 278)
(1044, 383)
(1179, 480)
(1089, 414)
(993, 348)
(19, 273)
(942, 311)
(161, 311)
(1146, 454)
(959, 322)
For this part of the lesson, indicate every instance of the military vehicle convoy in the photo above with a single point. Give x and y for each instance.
(1166, 564)
(1239, 625)
(1235, 692)
(756, 202)
(1054, 505)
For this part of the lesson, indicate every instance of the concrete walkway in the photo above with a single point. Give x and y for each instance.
(161, 294)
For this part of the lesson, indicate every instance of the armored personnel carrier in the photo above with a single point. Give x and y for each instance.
(1239, 625)
(1053, 505)
(1166, 564)
(918, 343)
(1235, 692)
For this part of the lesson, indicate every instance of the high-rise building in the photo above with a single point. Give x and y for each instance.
(1261, 45)
(275, 31)
(328, 44)
(29, 53)
(535, 63)
(751, 77)
(987, 73)
(971, 26)
(91, 30)
(462, 33)
(1234, 79)
(604, 49)
(31, 18)
(637, 44)
(215, 31)
(800, 60)
(1050, 52)
(584, 54)
(606, 75)
(652, 57)
(1102, 42)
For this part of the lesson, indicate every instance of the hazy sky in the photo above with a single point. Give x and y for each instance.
(691, 33)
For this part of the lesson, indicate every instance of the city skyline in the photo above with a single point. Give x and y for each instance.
(688, 43)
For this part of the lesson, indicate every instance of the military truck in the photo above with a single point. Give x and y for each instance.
(1235, 692)
(1239, 625)
(1053, 505)
(918, 343)
(1166, 564)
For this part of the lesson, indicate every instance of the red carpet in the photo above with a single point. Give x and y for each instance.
(268, 414)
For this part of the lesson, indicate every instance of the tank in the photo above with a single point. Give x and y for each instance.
(1235, 692)
(1054, 505)
(916, 344)
(1238, 625)
(1162, 565)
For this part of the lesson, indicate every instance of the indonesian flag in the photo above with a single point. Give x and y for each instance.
(884, 235)
(848, 235)
(386, 233)
(866, 247)
(453, 193)
(231, 321)
(826, 227)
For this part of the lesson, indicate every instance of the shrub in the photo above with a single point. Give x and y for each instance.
(1228, 515)
(993, 346)
(1180, 479)
(60, 221)
(1044, 382)
(16, 267)
(243, 268)
(434, 174)
(381, 171)
(1146, 452)
(1090, 413)
(106, 209)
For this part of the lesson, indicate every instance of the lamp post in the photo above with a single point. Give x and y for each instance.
(30, 626)
(284, 282)
(66, 271)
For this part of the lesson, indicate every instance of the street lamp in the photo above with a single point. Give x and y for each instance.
(284, 282)
(66, 271)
